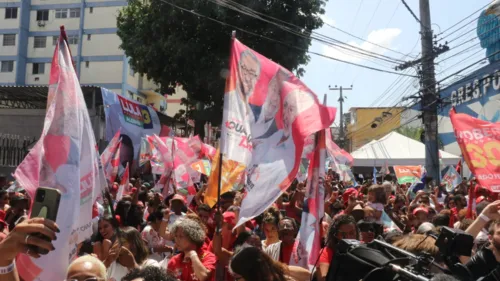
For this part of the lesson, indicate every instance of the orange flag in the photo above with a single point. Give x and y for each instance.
(232, 178)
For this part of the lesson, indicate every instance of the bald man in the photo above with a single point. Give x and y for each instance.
(86, 267)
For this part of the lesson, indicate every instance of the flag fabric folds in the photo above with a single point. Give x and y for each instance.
(232, 179)
(66, 158)
(479, 142)
(268, 113)
(308, 242)
(124, 184)
(451, 179)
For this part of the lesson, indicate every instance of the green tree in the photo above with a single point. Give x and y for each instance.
(172, 46)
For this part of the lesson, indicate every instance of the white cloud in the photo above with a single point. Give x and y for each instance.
(327, 20)
(383, 37)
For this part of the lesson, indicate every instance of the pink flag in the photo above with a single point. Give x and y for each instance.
(268, 113)
(308, 242)
(65, 157)
(114, 165)
(110, 150)
(124, 184)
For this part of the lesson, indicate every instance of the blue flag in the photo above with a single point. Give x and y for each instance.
(374, 175)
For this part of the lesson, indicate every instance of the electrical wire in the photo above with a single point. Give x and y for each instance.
(364, 40)
(459, 22)
(277, 41)
(310, 34)
(422, 90)
(411, 12)
(471, 30)
(371, 18)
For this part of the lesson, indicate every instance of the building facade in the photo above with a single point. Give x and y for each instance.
(28, 33)
(371, 123)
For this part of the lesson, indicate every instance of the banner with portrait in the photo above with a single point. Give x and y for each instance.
(268, 114)
(135, 120)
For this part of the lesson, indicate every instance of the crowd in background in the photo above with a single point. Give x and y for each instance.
(149, 237)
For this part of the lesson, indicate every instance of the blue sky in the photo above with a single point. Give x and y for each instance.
(388, 23)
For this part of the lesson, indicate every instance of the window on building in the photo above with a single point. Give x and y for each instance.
(7, 66)
(11, 13)
(38, 68)
(87, 64)
(131, 71)
(42, 15)
(55, 40)
(74, 12)
(91, 10)
(9, 39)
(88, 37)
(61, 13)
(73, 39)
(40, 42)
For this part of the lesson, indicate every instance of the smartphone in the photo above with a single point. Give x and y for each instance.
(46, 205)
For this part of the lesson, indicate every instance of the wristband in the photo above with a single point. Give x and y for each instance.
(7, 269)
(164, 219)
(484, 218)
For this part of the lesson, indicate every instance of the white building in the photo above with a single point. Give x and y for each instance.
(28, 33)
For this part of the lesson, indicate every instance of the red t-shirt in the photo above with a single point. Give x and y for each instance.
(184, 270)
(326, 255)
(286, 253)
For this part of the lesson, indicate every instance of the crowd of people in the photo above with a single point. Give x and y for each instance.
(146, 237)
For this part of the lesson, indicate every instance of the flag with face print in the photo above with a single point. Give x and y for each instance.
(268, 114)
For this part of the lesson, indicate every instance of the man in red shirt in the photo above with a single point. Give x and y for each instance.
(192, 263)
(282, 251)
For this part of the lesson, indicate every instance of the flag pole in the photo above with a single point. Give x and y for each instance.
(219, 185)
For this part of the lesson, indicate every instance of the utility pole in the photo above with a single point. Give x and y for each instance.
(341, 101)
(429, 95)
(429, 98)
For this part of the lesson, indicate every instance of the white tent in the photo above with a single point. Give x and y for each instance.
(396, 149)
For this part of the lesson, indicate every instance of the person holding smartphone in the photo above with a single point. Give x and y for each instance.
(24, 238)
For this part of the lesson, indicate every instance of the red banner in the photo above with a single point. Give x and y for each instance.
(480, 144)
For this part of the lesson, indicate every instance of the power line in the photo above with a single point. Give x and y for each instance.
(357, 13)
(411, 12)
(421, 90)
(393, 14)
(312, 35)
(460, 21)
(371, 18)
(277, 41)
(365, 40)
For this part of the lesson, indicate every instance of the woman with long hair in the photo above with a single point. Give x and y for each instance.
(251, 263)
(131, 254)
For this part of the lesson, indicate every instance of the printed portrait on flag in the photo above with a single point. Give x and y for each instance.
(268, 114)
(135, 120)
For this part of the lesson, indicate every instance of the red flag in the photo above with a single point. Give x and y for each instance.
(480, 144)
(65, 157)
(459, 166)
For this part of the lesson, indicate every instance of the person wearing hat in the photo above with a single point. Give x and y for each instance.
(421, 215)
(172, 215)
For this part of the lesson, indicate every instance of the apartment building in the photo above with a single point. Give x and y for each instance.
(28, 33)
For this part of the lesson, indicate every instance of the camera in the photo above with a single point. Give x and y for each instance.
(40, 195)
(378, 260)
